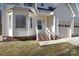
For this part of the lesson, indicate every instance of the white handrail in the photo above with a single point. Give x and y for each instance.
(47, 31)
(53, 35)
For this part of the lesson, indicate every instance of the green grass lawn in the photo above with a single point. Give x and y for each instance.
(32, 48)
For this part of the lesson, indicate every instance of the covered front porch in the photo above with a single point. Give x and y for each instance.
(45, 27)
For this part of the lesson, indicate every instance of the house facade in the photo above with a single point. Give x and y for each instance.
(28, 19)
(43, 20)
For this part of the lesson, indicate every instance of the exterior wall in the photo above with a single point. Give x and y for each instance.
(76, 28)
(76, 31)
(51, 23)
(74, 7)
(32, 30)
(62, 14)
(64, 30)
(4, 24)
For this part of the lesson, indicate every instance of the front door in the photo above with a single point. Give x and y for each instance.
(41, 26)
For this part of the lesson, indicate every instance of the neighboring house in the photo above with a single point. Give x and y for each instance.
(67, 19)
(45, 21)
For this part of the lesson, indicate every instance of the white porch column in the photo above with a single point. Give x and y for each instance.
(69, 32)
(28, 21)
(72, 27)
(37, 38)
(53, 27)
(36, 29)
(57, 26)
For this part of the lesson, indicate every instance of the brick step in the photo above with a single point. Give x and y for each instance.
(43, 37)
(55, 37)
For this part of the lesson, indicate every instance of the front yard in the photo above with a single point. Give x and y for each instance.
(32, 48)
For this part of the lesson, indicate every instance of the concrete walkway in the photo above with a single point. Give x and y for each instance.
(73, 41)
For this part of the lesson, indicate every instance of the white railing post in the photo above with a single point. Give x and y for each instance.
(49, 33)
(53, 35)
(49, 37)
(37, 34)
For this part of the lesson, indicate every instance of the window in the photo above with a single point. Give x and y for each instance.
(76, 26)
(30, 22)
(17, 4)
(9, 21)
(39, 24)
(20, 21)
(25, 4)
(64, 25)
(30, 4)
(42, 4)
(51, 8)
